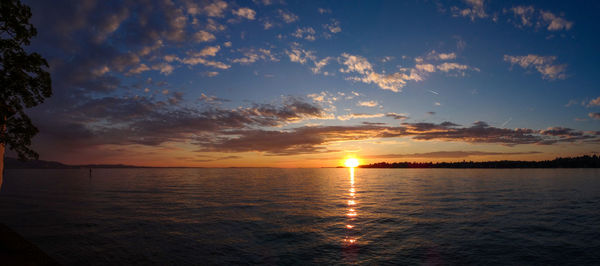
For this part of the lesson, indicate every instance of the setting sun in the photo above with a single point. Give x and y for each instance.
(351, 162)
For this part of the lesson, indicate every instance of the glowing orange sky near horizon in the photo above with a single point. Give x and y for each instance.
(366, 153)
(283, 161)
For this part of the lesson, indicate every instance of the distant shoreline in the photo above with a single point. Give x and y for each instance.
(585, 161)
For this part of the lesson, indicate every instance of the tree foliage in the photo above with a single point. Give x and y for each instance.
(24, 79)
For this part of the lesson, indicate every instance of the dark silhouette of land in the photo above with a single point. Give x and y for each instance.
(585, 161)
(16, 250)
(13, 163)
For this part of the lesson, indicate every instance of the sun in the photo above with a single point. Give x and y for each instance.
(351, 162)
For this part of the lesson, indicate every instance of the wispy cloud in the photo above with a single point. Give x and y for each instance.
(204, 36)
(523, 13)
(163, 68)
(543, 64)
(206, 51)
(324, 10)
(333, 27)
(146, 122)
(210, 73)
(326, 99)
(447, 67)
(360, 65)
(425, 67)
(506, 122)
(314, 139)
(211, 99)
(299, 55)
(319, 64)
(253, 55)
(199, 57)
(110, 24)
(473, 9)
(397, 116)
(430, 64)
(307, 33)
(594, 102)
(528, 16)
(245, 12)
(368, 103)
(287, 17)
(321, 97)
(214, 9)
(555, 22)
(139, 69)
(358, 116)
(433, 55)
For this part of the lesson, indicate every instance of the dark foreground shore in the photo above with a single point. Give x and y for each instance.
(16, 250)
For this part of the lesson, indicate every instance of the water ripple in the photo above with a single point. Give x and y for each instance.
(308, 216)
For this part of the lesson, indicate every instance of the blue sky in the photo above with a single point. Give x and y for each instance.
(297, 83)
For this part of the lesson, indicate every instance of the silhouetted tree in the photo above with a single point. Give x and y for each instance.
(24, 81)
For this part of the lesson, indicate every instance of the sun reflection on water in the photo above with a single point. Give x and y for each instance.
(351, 215)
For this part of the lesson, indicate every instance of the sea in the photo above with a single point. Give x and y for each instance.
(328, 216)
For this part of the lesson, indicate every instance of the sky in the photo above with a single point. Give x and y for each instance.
(309, 83)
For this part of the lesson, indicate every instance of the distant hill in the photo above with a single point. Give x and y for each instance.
(585, 161)
(13, 163)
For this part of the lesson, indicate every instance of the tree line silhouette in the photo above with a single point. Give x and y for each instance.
(585, 161)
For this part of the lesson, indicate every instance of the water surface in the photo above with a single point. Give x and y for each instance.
(300, 216)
